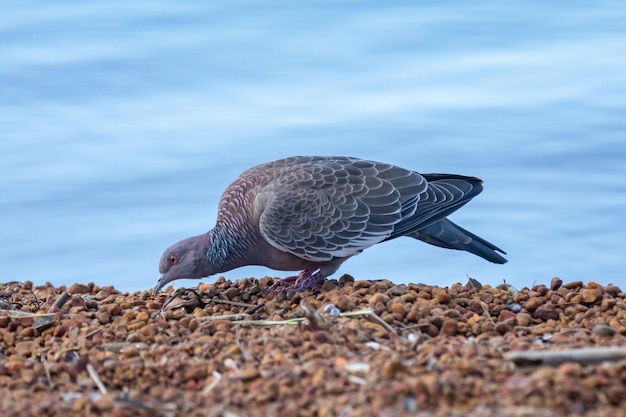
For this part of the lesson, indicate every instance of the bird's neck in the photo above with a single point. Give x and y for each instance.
(227, 249)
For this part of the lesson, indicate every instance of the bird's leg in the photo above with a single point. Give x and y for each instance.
(305, 279)
(308, 279)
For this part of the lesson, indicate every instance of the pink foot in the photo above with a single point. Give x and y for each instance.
(305, 279)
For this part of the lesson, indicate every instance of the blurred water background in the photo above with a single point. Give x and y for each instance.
(122, 122)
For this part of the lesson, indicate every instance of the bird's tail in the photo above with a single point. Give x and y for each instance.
(447, 234)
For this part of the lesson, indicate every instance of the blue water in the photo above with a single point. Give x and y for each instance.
(121, 123)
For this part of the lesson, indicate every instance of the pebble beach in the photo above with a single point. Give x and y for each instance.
(348, 348)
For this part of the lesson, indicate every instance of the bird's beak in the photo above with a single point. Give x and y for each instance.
(160, 283)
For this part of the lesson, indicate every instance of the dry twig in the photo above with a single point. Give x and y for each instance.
(96, 378)
(584, 356)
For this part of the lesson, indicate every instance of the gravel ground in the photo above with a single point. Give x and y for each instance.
(349, 348)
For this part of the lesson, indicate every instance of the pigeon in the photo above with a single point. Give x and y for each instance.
(312, 213)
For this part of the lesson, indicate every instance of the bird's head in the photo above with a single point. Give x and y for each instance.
(185, 259)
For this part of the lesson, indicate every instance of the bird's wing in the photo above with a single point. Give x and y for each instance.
(324, 208)
(445, 194)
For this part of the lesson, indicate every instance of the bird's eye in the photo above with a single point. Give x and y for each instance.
(173, 259)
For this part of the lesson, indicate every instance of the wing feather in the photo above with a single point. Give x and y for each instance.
(325, 208)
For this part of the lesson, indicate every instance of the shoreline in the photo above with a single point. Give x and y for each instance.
(350, 348)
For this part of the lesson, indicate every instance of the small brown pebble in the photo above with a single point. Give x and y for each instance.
(346, 279)
(533, 303)
(59, 331)
(573, 285)
(77, 301)
(473, 284)
(223, 325)
(569, 335)
(135, 325)
(79, 403)
(329, 285)
(27, 321)
(486, 297)
(399, 310)
(448, 328)
(546, 312)
(590, 296)
(603, 330)
(397, 307)
(28, 376)
(413, 316)
(408, 297)
(103, 317)
(392, 368)
(378, 298)
(26, 348)
(112, 309)
(321, 336)
(563, 292)
(381, 286)
(503, 327)
(343, 303)
(130, 351)
(452, 313)
(205, 288)
(231, 293)
(361, 284)
(437, 320)
(574, 298)
(265, 282)
(8, 338)
(607, 304)
(27, 332)
(540, 289)
(429, 329)
(443, 297)
(153, 305)
(248, 374)
(69, 323)
(614, 290)
(78, 289)
(148, 331)
(102, 295)
(556, 283)
(77, 309)
(387, 317)
(104, 402)
(506, 315)
(523, 319)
